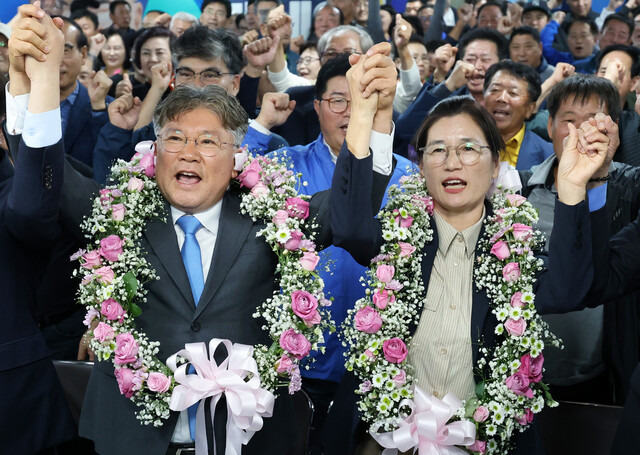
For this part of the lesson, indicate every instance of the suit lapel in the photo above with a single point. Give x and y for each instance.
(162, 239)
(233, 230)
(480, 304)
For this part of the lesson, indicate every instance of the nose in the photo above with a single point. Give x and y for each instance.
(503, 96)
(452, 162)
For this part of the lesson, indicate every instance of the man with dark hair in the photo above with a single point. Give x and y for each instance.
(600, 344)
(489, 15)
(617, 29)
(120, 15)
(316, 161)
(510, 93)
(536, 14)
(87, 20)
(525, 47)
(581, 40)
(215, 13)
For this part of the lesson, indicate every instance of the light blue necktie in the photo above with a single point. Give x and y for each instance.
(192, 259)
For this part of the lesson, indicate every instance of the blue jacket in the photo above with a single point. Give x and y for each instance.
(534, 150)
(554, 56)
(343, 282)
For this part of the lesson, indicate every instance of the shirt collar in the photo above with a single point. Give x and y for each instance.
(447, 234)
(72, 97)
(209, 218)
(542, 171)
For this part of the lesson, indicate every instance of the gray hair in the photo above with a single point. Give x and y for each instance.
(183, 16)
(365, 39)
(186, 98)
(206, 44)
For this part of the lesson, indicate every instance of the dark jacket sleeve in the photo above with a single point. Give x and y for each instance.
(113, 143)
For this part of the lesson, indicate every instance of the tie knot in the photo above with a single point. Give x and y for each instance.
(189, 224)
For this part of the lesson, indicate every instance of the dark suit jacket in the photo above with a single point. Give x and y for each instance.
(240, 279)
(83, 127)
(533, 151)
(33, 411)
(560, 288)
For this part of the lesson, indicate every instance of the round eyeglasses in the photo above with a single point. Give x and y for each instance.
(337, 105)
(468, 153)
(173, 141)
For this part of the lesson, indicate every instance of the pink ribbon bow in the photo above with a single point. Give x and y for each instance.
(426, 428)
(247, 403)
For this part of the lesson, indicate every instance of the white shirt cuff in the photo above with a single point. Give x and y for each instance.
(36, 135)
(259, 128)
(381, 146)
(16, 110)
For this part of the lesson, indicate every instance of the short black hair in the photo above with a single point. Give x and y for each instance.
(593, 27)
(491, 3)
(486, 34)
(526, 30)
(146, 35)
(519, 70)
(127, 57)
(581, 87)
(80, 13)
(434, 44)
(631, 51)
(225, 3)
(239, 18)
(202, 42)
(337, 66)
(115, 3)
(81, 38)
(620, 18)
(460, 105)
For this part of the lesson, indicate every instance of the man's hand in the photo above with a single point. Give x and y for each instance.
(515, 13)
(278, 24)
(363, 108)
(296, 43)
(615, 72)
(275, 109)
(505, 25)
(124, 86)
(631, 4)
(259, 54)
(605, 125)
(458, 77)
(558, 16)
(465, 13)
(98, 89)
(402, 33)
(163, 20)
(561, 72)
(445, 58)
(96, 43)
(614, 4)
(161, 76)
(124, 111)
(584, 153)
(249, 37)
(380, 76)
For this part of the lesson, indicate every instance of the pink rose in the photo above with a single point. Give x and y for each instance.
(309, 261)
(280, 218)
(118, 211)
(104, 274)
(500, 249)
(294, 241)
(369, 354)
(526, 418)
(103, 332)
(385, 273)
(367, 320)
(305, 306)
(148, 163)
(125, 377)
(515, 327)
(126, 349)
(480, 414)
(406, 249)
(403, 221)
(251, 174)
(295, 344)
(522, 232)
(112, 310)
(111, 248)
(478, 446)
(135, 184)
(381, 298)
(426, 202)
(516, 300)
(532, 367)
(519, 384)
(400, 378)
(516, 200)
(284, 364)
(105, 197)
(259, 189)
(92, 259)
(298, 208)
(158, 382)
(239, 159)
(511, 271)
(395, 351)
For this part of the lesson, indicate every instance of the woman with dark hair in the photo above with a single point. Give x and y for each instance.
(443, 332)
(152, 48)
(388, 19)
(114, 56)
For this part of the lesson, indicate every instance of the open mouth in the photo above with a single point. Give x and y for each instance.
(454, 185)
(500, 114)
(188, 178)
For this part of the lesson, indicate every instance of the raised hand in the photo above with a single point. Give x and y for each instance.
(124, 111)
(605, 125)
(98, 88)
(261, 53)
(561, 72)
(558, 16)
(124, 86)
(402, 32)
(363, 108)
(505, 25)
(278, 23)
(275, 110)
(249, 37)
(445, 58)
(96, 43)
(615, 72)
(163, 20)
(161, 75)
(458, 77)
(380, 75)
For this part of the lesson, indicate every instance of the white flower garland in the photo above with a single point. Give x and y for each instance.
(113, 271)
(377, 329)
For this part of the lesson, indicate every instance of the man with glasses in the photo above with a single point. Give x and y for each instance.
(215, 13)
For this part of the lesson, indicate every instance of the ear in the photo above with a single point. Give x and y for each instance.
(316, 106)
(496, 169)
(531, 108)
(84, 53)
(550, 128)
(235, 84)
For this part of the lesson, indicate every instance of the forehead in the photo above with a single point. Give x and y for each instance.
(481, 46)
(584, 107)
(454, 128)
(121, 7)
(523, 39)
(310, 52)
(157, 42)
(115, 39)
(199, 64)
(507, 79)
(345, 40)
(623, 57)
(337, 85)
(534, 14)
(197, 120)
(492, 10)
(615, 24)
(578, 27)
(215, 6)
(417, 47)
(71, 34)
(329, 11)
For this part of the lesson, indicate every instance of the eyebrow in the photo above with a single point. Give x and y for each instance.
(194, 71)
(462, 140)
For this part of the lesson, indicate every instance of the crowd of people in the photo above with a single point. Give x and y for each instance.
(538, 96)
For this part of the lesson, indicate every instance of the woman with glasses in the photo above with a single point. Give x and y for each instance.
(309, 61)
(458, 148)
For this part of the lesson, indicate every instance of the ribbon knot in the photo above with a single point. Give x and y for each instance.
(236, 377)
(426, 428)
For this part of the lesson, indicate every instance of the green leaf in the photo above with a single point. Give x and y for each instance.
(135, 310)
(480, 389)
(130, 284)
